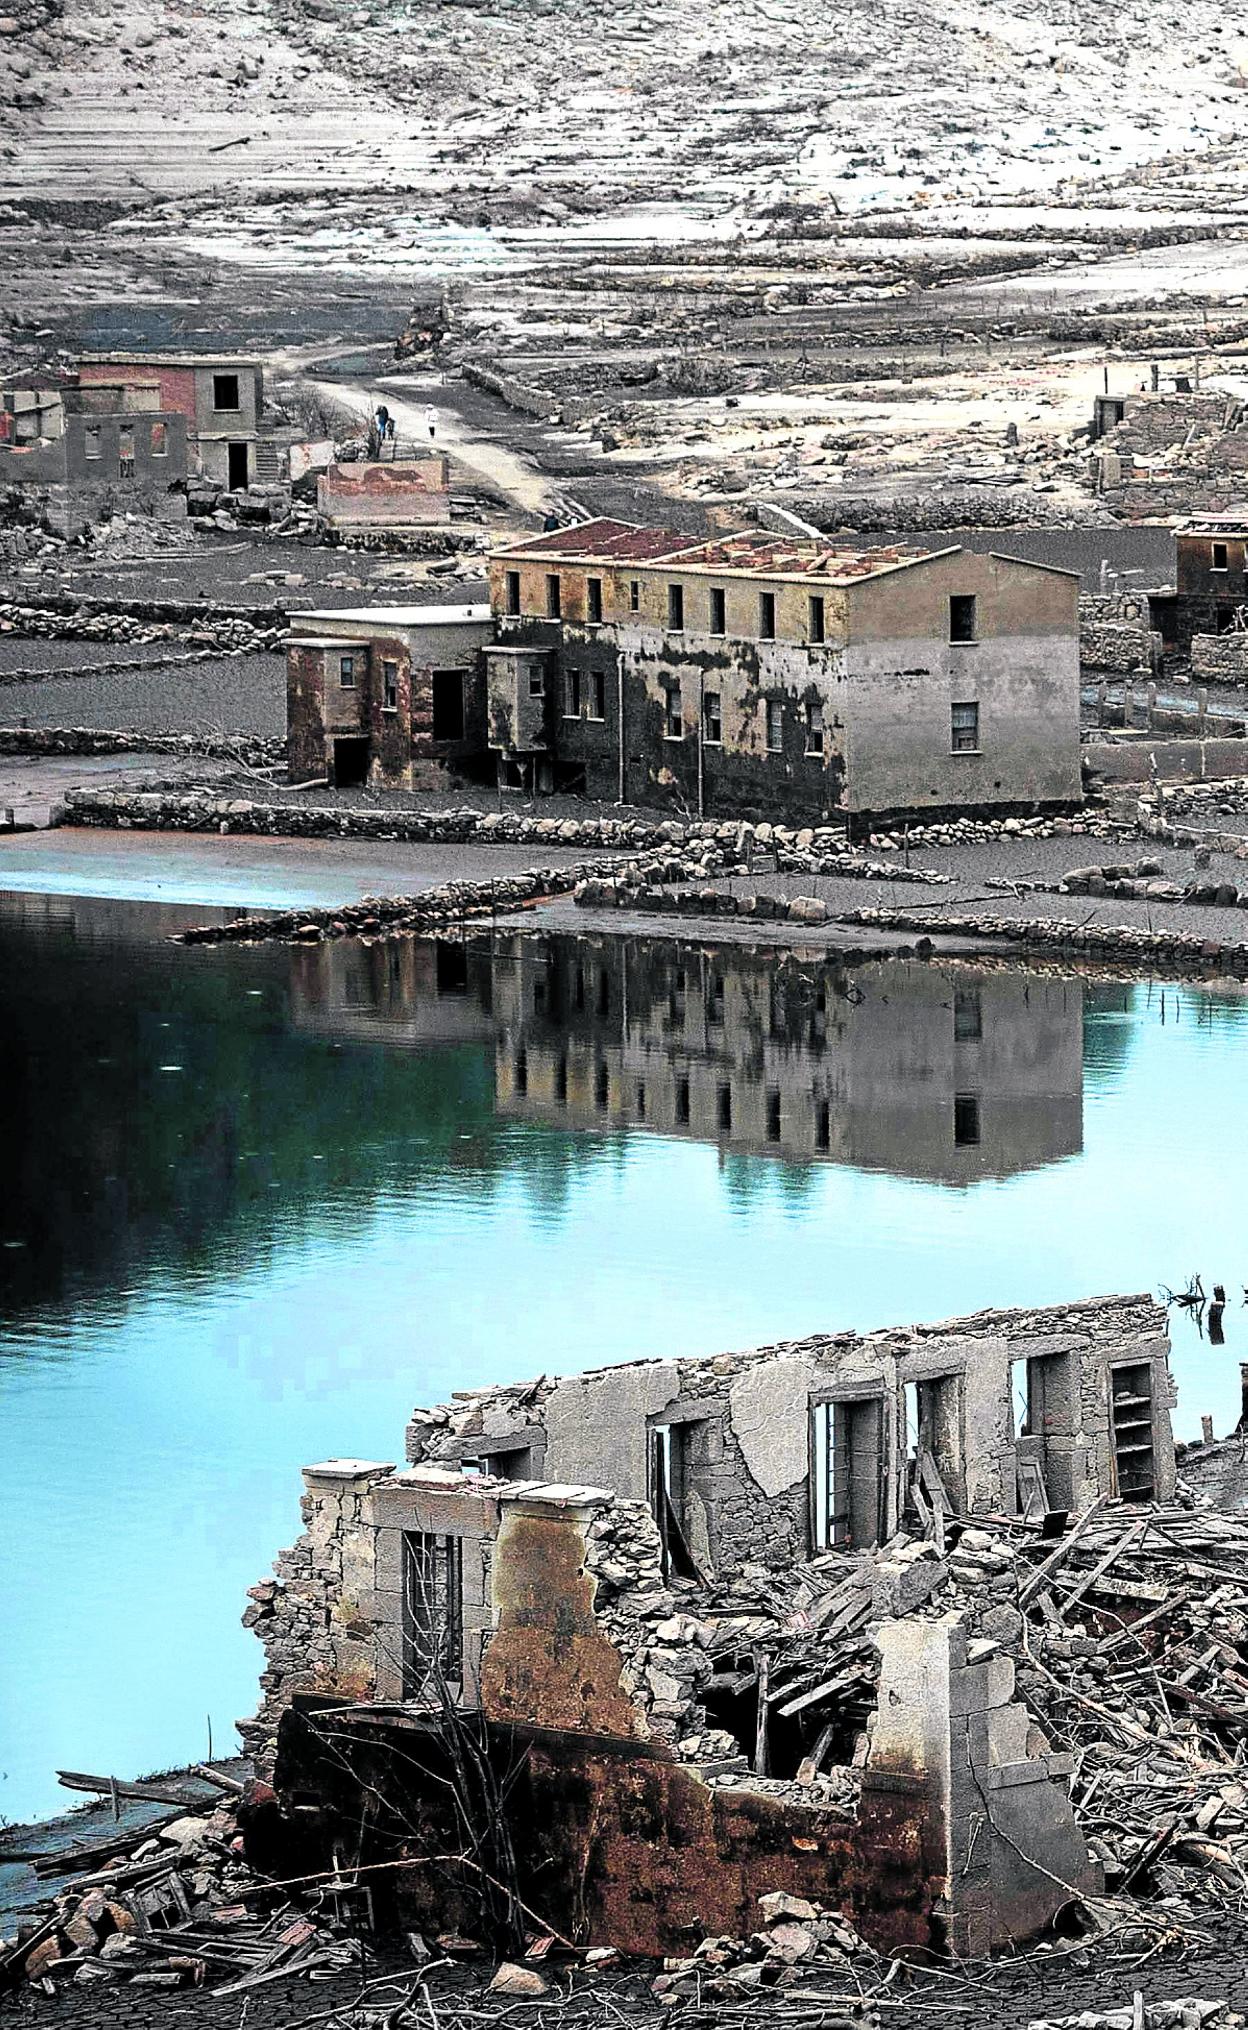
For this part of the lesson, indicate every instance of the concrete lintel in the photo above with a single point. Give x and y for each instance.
(351, 1470)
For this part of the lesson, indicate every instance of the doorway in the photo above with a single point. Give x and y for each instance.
(236, 467)
(448, 704)
(350, 763)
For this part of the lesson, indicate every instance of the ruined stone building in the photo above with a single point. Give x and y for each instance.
(754, 674)
(391, 493)
(704, 1613)
(372, 690)
(230, 440)
(83, 451)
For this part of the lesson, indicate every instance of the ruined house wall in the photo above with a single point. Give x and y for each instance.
(306, 745)
(408, 490)
(1220, 658)
(750, 1489)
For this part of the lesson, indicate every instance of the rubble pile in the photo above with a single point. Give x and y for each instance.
(1146, 881)
(171, 1905)
(797, 1937)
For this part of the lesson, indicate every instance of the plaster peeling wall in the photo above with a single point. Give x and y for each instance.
(596, 1424)
(772, 1440)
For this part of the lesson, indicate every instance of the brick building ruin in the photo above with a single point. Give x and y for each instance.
(727, 1626)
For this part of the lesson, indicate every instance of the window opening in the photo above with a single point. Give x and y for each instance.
(848, 1467)
(962, 617)
(433, 1617)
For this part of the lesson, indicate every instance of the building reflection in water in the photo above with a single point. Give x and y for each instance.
(945, 1072)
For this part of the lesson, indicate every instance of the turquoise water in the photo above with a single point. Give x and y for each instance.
(257, 1204)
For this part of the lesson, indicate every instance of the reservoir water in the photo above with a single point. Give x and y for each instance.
(255, 1204)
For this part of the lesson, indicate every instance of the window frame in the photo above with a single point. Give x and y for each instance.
(593, 602)
(389, 685)
(220, 408)
(775, 705)
(767, 616)
(717, 603)
(675, 623)
(955, 745)
(573, 702)
(816, 619)
(554, 596)
(596, 703)
(713, 699)
(511, 594)
(675, 696)
(814, 721)
(158, 439)
(346, 672)
(1225, 565)
(634, 595)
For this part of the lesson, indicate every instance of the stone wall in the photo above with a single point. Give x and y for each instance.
(749, 1473)
(1220, 658)
(1117, 646)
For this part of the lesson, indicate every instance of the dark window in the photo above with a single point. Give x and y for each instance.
(554, 596)
(634, 596)
(682, 1103)
(712, 727)
(675, 726)
(723, 1109)
(641, 1099)
(1219, 559)
(964, 729)
(537, 681)
(604, 991)
(561, 1082)
(815, 625)
(571, 694)
(968, 1016)
(602, 1088)
(160, 440)
(966, 1120)
(766, 616)
(448, 704)
(715, 1000)
(513, 592)
(433, 1614)
(823, 1125)
(676, 607)
(775, 725)
(346, 672)
(225, 391)
(450, 967)
(962, 617)
(773, 1116)
(598, 694)
(522, 1072)
(814, 729)
(719, 611)
(593, 599)
(125, 450)
(389, 687)
(93, 445)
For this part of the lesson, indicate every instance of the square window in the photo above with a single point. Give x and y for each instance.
(513, 592)
(719, 611)
(962, 617)
(775, 725)
(676, 608)
(674, 725)
(554, 596)
(814, 729)
(815, 621)
(964, 729)
(712, 725)
(225, 391)
(389, 687)
(346, 672)
(766, 616)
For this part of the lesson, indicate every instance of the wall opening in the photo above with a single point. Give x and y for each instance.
(935, 1479)
(350, 763)
(847, 1473)
(1131, 1411)
(433, 1615)
(448, 704)
(237, 467)
(1044, 1426)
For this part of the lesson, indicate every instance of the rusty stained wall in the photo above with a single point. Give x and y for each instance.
(409, 490)
(305, 712)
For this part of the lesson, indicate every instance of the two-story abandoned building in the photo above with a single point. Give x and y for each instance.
(372, 690)
(757, 672)
(221, 402)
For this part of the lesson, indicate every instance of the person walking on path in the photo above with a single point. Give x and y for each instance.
(431, 418)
